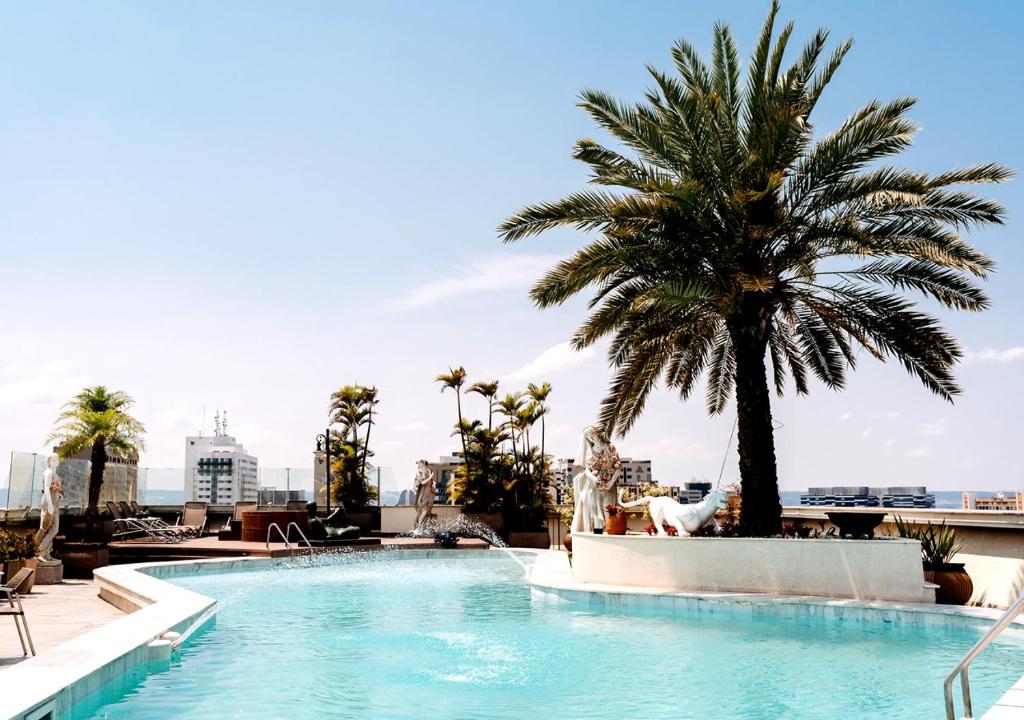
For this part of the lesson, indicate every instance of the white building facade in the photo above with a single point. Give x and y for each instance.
(218, 470)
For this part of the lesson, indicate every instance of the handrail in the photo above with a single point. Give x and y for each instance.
(961, 667)
(284, 537)
(302, 535)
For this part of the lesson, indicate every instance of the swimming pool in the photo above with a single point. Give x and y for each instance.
(392, 636)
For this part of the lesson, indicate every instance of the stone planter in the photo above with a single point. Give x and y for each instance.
(882, 569)
(494, 520)
(539, 539)
(955, 585)
(81, 558)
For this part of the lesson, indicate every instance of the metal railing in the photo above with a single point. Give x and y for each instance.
(961, 667)
(284, 537)
(288, 532)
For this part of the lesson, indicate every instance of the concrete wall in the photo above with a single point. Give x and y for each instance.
(400, 518)
(993, 553)
(861, 569)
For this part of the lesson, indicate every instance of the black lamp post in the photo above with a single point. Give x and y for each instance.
(323, 440)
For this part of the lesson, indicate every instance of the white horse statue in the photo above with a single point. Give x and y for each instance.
(686, 519)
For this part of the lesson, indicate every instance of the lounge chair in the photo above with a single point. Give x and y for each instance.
(232, 529)
(193, 519)
(12, 607)
(130, 528)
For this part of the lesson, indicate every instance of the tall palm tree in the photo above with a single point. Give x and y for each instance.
(540, 393)
(370, 401)
(454, 379)
(97, 419)
(352, 408)
(487, 390)
(738, 232)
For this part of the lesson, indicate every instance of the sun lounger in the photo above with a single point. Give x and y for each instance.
(193, 520)
(133, 528)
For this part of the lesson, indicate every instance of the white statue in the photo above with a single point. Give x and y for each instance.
(49, 509)
(686, 519)
(594, 486)
(423, 486)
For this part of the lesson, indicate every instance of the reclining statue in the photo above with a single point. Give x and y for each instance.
(334, 527)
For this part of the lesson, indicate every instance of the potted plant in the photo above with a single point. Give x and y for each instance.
(938, 546)
(616, 524)
(29, 551)
(17, 550)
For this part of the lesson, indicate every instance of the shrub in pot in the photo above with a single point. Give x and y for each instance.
(18, 550)
(938, 547)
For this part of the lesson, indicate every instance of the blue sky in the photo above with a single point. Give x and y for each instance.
(245, 205)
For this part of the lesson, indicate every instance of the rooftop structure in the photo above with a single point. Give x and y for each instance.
(1007, 500)
(218, 469)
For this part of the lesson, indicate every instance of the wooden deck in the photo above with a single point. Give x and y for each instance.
(211, 547)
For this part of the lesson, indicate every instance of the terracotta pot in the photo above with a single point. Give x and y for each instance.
(27, 586)
(955, 585)
(539, 539)
(567, 542)
(616, 524)
(11, 568)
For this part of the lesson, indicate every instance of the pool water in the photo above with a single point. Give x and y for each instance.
(461, 638)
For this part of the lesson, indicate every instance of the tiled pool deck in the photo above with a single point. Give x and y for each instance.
(56, 613)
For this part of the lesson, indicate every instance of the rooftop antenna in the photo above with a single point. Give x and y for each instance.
(202, 428)
(224, 422)
(216, 423)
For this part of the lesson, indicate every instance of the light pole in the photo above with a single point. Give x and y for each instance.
(323, 440)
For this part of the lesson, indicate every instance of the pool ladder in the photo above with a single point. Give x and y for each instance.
(286, 534)
(961, 667)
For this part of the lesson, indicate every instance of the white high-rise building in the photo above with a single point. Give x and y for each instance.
(218, 470)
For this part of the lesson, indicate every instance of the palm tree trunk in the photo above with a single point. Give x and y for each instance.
(366, 449)
(462, 432)
(98, 463)
(760, 512)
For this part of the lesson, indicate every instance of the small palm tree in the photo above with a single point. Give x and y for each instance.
(454, 379)
(510, 405)
(352, 408)
(540, 393)
(97, 419)
(487, 390)
(739, 233)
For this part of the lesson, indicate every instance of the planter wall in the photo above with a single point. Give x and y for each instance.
(864, 569)
(396, 519)
(539, 539)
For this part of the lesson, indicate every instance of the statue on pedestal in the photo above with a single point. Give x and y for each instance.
(595, 485)
(424, 488)
(49, 510)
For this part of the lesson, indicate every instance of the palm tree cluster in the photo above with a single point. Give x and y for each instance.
(98, 420)
(351, 409)
(731, 233)
(503, 471)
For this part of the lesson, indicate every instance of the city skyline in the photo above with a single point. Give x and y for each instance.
(280, 201)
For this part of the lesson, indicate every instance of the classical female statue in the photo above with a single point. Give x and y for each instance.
(423, 486)
(49, 509)
(595, 485)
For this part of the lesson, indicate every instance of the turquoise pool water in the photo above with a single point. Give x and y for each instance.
(461, 638)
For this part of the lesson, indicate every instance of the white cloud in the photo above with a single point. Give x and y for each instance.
(889, 442)
(991, 355)
(935, 428)
(846, 416)
(497, 272)
(555, 359)
(412, 427)
(919, 452)
(671, 447)
(866, 433)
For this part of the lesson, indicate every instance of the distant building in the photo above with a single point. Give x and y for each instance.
(444, 477)
(1009, 500)
(218, 470)
(633, 474)
(864, 496)
(693, 492)
(273, 496)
